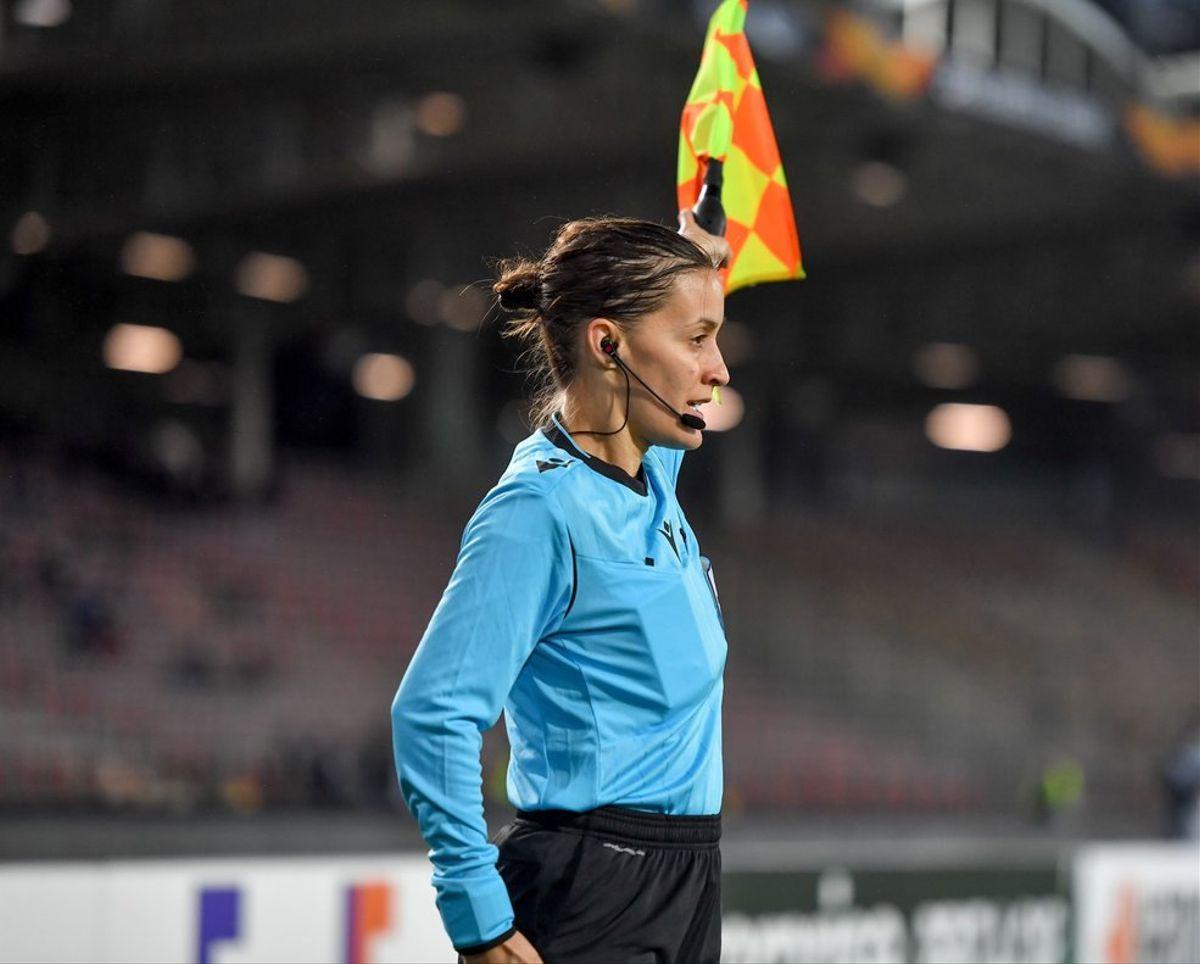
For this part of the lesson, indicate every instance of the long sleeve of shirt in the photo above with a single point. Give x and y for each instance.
(511, 586)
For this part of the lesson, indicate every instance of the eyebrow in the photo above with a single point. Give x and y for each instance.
(707, 323)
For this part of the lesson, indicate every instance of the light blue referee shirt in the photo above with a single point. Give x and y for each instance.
(581, 606)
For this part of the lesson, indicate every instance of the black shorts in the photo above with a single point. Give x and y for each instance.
(615, 885)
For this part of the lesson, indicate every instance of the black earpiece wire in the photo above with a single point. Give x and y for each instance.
(628, 387)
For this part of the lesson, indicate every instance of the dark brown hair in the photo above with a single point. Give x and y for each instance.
(618, 268)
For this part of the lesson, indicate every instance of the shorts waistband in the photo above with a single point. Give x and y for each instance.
(635, 826)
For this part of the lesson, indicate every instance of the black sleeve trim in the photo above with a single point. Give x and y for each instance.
(574, 578)
(482, 948)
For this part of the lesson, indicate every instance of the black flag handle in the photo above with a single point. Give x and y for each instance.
(709, 211)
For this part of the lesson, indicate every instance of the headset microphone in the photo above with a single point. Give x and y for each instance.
(691, 421)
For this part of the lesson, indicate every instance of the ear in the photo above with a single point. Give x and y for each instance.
(598, 330)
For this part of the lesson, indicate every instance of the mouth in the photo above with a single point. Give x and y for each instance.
(695, 404)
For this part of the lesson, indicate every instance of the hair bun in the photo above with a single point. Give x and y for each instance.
(519, 287)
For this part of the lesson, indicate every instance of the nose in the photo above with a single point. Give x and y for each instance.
(716, 373)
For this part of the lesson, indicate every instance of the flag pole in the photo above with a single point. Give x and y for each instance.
(709, 211)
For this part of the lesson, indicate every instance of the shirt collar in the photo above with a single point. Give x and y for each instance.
(557, 433)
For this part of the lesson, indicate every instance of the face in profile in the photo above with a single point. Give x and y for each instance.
(675, 350)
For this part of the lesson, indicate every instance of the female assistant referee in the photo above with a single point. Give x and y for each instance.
(581, 606)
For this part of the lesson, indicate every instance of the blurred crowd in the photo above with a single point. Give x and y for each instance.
(160, 658)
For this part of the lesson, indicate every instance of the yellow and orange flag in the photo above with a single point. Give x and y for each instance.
(725, 119)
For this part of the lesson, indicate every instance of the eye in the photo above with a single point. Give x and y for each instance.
(698, 339)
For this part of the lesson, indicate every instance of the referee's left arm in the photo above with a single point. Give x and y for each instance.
(510, 587)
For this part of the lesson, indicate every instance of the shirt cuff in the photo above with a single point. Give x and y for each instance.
(481, 948)
(476, 910)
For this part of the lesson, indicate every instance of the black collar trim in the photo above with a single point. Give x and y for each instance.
(560, 438)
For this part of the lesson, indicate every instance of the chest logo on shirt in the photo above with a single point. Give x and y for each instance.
(669, 532)
(548, 464)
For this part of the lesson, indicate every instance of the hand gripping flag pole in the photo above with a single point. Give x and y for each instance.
(729, 170)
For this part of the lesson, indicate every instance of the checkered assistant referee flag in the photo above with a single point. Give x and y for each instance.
(725, 120)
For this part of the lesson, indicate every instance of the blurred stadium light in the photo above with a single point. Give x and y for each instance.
(142, 348)
(271, 277)
(157, 256)
(728, 414)
(30, 234)
(969, 428)
(946, 365)
(1089, 378)
(441, 114)
(41, 13)
(385, 378)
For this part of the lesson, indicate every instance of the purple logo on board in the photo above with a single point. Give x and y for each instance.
(220, 919)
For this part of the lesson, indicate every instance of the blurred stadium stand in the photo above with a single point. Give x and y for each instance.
(171, 659)
(222, 530)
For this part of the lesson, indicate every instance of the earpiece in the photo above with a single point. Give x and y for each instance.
(608, 346)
